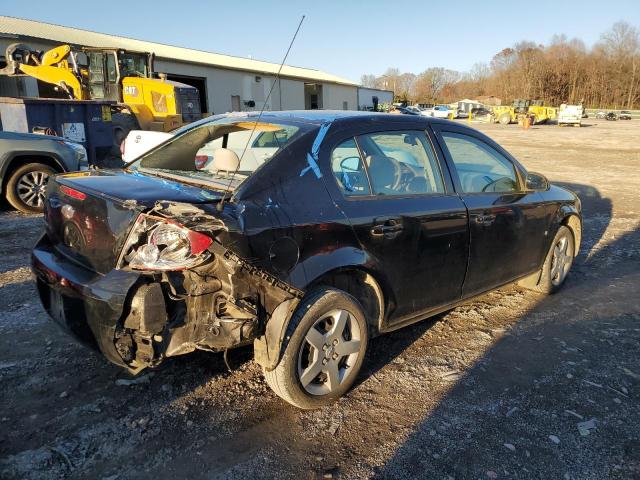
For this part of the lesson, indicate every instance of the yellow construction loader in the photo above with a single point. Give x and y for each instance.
(514, 113)
(145, 100)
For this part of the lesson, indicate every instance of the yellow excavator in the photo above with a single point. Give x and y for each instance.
(145, 100)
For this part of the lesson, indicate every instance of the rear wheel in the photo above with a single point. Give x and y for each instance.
(27, 185)
(556, 265)
(325, 346)
(504, 119)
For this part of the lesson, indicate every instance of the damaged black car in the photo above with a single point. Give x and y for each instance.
(304, 234)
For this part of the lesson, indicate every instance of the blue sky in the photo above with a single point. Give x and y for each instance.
(341, 37)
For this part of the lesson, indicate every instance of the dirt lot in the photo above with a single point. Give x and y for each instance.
(497, 388)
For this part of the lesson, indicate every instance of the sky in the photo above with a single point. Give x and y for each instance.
(345, 38)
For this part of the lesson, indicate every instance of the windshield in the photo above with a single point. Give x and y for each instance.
(209, 153)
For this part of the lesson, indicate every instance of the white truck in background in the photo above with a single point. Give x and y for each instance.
(138, 142)
(570, 115)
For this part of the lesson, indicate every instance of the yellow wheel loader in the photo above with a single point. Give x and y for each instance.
(146, 101)
(514, 113)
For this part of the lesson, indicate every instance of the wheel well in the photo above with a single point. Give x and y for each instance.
(574, 224)
(361, 285)
(21, 160)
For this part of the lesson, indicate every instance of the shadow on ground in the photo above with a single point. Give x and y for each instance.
(572, 358)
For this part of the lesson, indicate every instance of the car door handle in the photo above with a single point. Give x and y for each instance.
(388, 229)
(382, 229)
(484, 219)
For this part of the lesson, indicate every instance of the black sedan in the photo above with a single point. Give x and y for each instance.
(307, 234)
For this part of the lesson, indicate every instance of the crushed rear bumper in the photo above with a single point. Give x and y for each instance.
(84, 303)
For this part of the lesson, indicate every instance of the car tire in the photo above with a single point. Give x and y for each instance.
(25, 189)
(556, 265)
(504, 119)
(320, 348)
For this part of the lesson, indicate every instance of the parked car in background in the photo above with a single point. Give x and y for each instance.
(480, 112)
(611, 116)
(255, 148)
(624, 115)
(414, 109)
(440, 111)
(356, 224)
(601, 115)
(27, 161)
(138, 142)
(409, 111)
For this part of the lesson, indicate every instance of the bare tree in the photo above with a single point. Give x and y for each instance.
(368, 80)
(605, 76)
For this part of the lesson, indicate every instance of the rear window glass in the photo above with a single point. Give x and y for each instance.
(211, 152)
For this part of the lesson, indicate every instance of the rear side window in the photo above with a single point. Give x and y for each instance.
(348, 169)
(401, 163)
(480, 167)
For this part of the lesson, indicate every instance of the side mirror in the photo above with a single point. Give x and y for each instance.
(350, 164)
(537, 182)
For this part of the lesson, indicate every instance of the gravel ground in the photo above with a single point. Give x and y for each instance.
(512, 385)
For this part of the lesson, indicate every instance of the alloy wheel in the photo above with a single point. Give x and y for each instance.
(561, 260)
(31, 188)
(328, 353)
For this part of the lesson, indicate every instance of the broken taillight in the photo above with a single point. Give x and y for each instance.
(72, 192)
(156, 244)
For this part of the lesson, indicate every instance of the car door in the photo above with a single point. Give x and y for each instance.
(507, 224)
(400, 202)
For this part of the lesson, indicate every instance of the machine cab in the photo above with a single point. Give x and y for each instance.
(107, 67)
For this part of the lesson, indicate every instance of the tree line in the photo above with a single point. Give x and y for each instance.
(607, 75)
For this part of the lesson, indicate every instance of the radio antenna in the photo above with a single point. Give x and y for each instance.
(220, 205)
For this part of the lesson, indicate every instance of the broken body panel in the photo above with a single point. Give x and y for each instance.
(137, 317)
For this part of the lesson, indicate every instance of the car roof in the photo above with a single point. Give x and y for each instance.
(318, 117)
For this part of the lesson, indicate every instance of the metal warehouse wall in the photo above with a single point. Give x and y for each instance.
(365, 96)
(222, 85)
(334, 97)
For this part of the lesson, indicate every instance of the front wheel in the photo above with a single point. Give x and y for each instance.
(324, 349)
(27, 185)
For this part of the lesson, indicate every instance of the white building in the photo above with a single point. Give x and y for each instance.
(368, 97)
(225, 83)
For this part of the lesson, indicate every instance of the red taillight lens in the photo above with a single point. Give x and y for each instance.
(72, 192)
(164, 245)
(199, 242)
(201, 161)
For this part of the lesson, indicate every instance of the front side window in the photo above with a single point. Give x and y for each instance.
(401, 163)
(480, 167)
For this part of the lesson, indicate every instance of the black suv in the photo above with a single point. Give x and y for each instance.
(307, 234)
